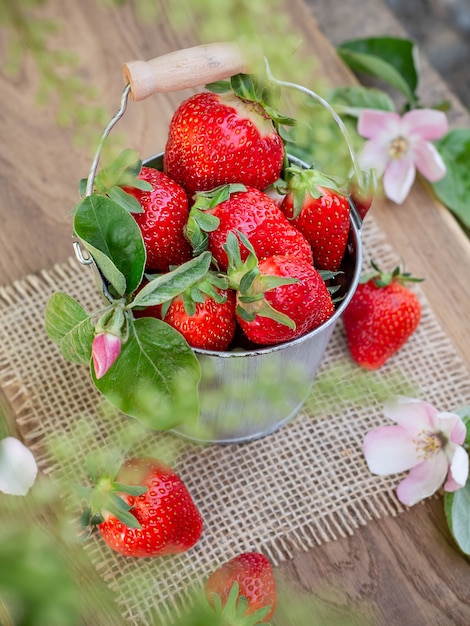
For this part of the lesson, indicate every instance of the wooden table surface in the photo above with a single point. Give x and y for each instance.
(404, 570)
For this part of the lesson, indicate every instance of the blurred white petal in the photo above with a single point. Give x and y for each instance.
(428, 161)
(389, 450)
(398, 179)
(373, 123)
(18, 467)
(458, 470)
(423, 480)
(428, 124)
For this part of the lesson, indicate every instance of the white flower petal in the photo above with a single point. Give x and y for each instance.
(428, 124)
(458, 470)
(18, 467)
(423, 480)
(412, 414)
(373, 123)
(452, 426)
(428, 161)
(374, 156)
(398, 179)
(389, 450)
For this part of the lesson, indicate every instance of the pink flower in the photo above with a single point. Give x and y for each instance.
(398, 146)
(424, 441)
(105, 350)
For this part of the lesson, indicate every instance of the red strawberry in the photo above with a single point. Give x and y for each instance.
(319, 211)
(252, 575)
(205, 314)
(381, 317)
(165, 212)
(278, 298)
(249, 211)
(152, 514)
(220, 138)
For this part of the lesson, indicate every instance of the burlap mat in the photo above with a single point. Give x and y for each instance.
(300, 487)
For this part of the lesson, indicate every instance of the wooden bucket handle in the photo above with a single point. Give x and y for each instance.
(190, 67)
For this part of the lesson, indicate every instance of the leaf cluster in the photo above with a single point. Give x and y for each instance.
(394, 61)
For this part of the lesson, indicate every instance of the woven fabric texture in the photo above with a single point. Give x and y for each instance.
(303, 485)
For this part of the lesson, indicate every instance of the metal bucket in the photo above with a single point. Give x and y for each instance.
(248, 394)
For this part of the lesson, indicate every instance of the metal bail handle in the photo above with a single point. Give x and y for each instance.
(182, 69)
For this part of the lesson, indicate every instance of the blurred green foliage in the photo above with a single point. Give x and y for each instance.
(265, 24)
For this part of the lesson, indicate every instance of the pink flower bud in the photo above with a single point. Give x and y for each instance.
(104, 351)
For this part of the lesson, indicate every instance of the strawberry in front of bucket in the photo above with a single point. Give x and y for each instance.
(245, 588)
(144, 510)
(381, 317)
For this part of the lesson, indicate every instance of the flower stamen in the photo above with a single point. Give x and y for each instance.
(428, 444)
(398, 147)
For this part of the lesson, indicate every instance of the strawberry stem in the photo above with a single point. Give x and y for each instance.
(383, 279)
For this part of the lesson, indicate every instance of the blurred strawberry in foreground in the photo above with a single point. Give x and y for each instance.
(316, 207)
(381, 317)
(162, 221)
(246, 210)
(219, 138)
(244, 586)
(144, 511)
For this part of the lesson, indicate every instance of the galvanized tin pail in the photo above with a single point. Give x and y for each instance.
(248, 394)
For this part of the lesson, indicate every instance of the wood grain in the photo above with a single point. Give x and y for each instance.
(403, 570)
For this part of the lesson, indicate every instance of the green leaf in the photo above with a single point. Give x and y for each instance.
(206, 221)
(167, 286)
(454, 189)
(69, 325)
(457, 511)
(131, 490)
(155, 377)
(244, 86)
(220, 86)
(124, 168)
(114, 239)
(124, 199)
(391, 59)
(120, 509)
(353, 99)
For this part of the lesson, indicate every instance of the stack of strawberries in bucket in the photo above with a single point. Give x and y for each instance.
(277, 232)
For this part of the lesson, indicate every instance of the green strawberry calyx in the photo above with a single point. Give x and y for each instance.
(201, 221)
(245, 277)
(302, 183)
(260, 91)
(123, 171)
(213, 285)
(234, 609)
(104, 495)
(384, 279)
